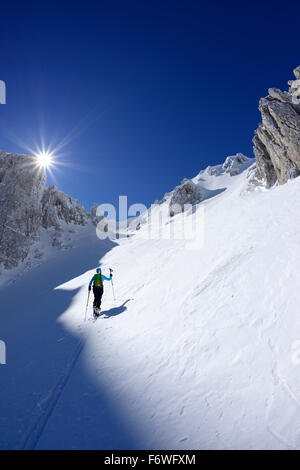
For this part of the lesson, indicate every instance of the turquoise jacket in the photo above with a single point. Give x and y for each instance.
(104, 278)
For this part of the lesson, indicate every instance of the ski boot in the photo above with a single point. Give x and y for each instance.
(96, 312)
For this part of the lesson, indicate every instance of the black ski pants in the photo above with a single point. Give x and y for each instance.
(98, 292)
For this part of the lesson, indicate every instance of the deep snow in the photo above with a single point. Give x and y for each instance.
(198, 351)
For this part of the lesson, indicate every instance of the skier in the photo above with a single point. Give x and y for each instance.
(97, 282)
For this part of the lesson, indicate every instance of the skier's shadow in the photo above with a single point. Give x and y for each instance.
(113, 312)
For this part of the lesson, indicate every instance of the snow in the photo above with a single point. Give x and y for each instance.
(199, 351)
(48, 245)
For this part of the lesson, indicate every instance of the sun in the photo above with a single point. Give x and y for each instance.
(44, 159)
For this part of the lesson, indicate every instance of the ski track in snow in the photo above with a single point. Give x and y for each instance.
(46, 406)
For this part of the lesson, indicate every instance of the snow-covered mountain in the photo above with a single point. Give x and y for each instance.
(35, 220)
(201, 348)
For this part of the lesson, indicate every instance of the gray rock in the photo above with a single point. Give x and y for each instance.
(214, 170)
(58, 206)
(96, 216)
(279, 95)
(235, 164)
(297, 72)
(277, 138)
(21, 192)
(265, 170)
(186, 193)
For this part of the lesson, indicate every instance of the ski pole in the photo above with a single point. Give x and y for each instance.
(112, 284)
(87, 305)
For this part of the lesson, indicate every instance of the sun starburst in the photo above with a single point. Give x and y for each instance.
(44, 159)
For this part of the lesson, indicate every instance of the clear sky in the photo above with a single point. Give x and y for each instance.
(140, 93)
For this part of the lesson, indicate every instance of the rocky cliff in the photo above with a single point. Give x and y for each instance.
(190, 192)
(26, 206)
(277, 139)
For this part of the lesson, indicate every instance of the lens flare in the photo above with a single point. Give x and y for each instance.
(44, 159)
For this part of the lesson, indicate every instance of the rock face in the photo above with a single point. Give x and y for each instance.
(58, 206)
(235, 164)
(187, 193)
(26, 206)
(277, 139)
(96, 215)
(21, 192)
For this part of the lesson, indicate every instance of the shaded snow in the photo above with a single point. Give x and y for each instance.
(197, 351)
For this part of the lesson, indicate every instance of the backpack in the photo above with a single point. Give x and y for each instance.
(98, 280)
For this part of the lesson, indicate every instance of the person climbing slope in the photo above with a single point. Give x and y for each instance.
(97, 282)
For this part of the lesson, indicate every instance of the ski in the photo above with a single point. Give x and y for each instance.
(96, 313)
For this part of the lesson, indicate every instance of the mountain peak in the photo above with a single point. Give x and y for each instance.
(276, 140)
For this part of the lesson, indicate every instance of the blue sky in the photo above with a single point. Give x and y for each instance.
(142, 94)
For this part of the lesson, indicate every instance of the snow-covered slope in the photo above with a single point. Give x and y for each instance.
(198, 351)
